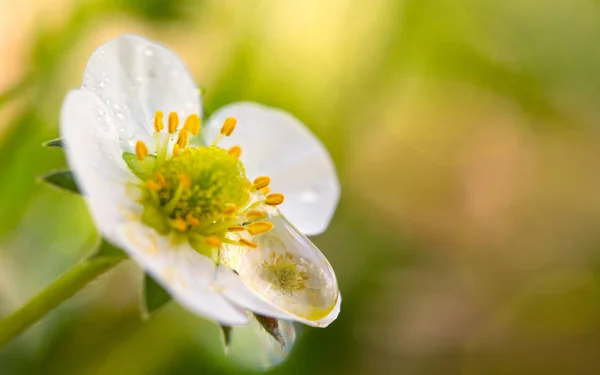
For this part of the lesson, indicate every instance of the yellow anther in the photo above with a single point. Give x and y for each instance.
(158, 122)
(179, 224)
(228, 126)
(255, 214)
(259, 227)
(235, 151)
(173, 122)
(176, 151)
(192, 220)
(141, 150)
(182, 138)
(261, 182)
(235, 228)
(213, 241)
(153, 185)
(192, 124)
(185, 181)
(230, 209)
(266, 190)
(274, 199)
(245, 242)
(161, 179)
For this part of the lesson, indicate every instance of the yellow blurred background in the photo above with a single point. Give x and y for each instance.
(466, 137)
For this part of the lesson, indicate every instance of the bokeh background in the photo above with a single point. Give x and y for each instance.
(466, 134)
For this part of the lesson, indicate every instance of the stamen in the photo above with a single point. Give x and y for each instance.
(274, 199)
(266, 190)
(259, 227)
(213, 241)
(235, 228)
(192, 220)
(182, 139)
(176, 151)
(153, 185)
(158, 122)
(235, 151)
(161, 179)
(173, 122)
(185, 181)
(245, 242)
(179, 224)
(230, 209)
(255, 214)
(192, 124)
(228, 126)
(261, 182)
(141, 150)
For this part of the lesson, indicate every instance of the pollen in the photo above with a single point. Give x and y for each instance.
(274, 199)
(158, 122)
(173, 122)
(248, 243)
(185, 181)
(261, 182)
(255, 214)
(235, 151)
(179, 224)
(213, 241)
(192, 220)
(259, 227)
(228, 126)
(141, 150)
(176, 151)
(236, 228)
(153, 185)
(192, 124)
(182, 138)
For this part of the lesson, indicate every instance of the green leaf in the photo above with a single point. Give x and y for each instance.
(142, 169)
(56, 143)
(271, 325)
(62, 180)
(155, 296)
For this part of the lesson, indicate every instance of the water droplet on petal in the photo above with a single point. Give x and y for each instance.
(288, 270)
(149, 51)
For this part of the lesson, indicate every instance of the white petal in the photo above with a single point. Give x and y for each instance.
(311, 296)
(135, 77)
(188, 276)
(278, 145)
(94, 155)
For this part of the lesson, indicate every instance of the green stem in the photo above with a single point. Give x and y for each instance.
(62, 289)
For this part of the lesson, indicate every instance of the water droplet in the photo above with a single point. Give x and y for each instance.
(120, 116)
(102, 84)
(149, 51)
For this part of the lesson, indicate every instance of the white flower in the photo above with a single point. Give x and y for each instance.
(189, 216)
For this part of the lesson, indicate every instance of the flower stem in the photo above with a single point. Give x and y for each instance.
(62, 289)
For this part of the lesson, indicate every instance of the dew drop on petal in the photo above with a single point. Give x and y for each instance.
(288, 270)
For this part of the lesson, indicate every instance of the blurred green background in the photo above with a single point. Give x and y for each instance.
(466, 134)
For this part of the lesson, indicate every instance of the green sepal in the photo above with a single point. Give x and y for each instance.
(154, 297)
(55, 143)
(226, 335)
(271, 325)
(64, 180)
(143, 169)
